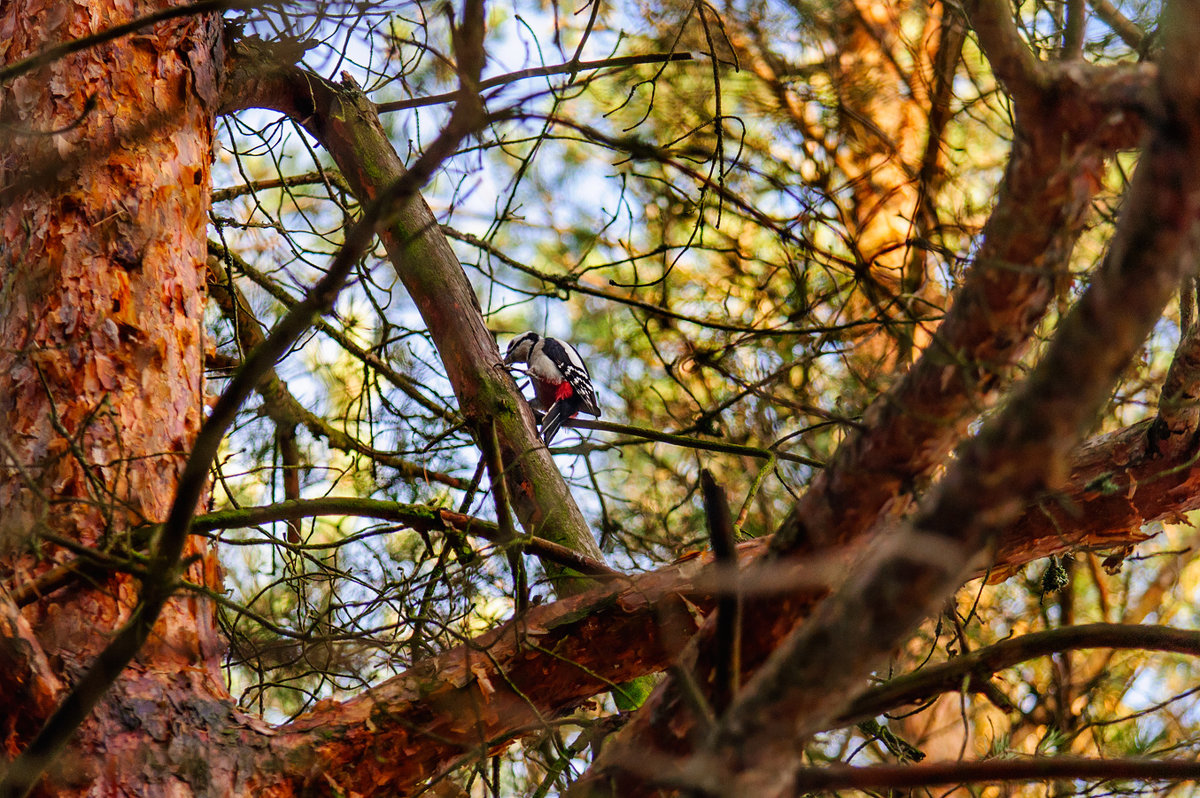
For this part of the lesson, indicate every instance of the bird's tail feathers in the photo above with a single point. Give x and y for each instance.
(555, 416)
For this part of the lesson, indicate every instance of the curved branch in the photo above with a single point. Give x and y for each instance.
(403, 382)
(976, 667)
(573, 66)
(1013, 63)
(283, 408)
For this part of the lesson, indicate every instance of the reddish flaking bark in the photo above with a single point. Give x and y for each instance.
(101, 337)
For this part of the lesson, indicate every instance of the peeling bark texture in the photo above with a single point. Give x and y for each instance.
(1020, 268)
(101, 302)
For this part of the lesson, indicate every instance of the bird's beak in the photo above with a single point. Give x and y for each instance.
(509, 358)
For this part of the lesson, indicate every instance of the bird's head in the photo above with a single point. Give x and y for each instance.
(520, 347)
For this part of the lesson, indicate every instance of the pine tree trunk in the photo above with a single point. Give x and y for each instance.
(101, 394)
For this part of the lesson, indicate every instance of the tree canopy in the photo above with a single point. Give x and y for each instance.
(891, 307)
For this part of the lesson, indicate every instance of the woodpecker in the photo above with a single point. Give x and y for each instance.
(561, 383)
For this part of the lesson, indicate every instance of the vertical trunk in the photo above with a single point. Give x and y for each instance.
(101, 301)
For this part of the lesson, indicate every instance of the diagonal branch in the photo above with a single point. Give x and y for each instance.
(1014, 64)
(403, 382)
(1016, 456)
(1122, 25)
(433, 276)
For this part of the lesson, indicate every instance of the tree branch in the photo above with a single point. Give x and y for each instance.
(475, 697)
(415, 516)
(435, 280)
(573, 66)
(1013, 63)
(1015, 456)
(970, 670)
(1124, 27)
(406, 384)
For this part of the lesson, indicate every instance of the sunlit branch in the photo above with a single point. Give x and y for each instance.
(283, 408)
(403, 382)
(331, 176)
(569, 283)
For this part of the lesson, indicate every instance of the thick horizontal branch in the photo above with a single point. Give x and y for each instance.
(609, 623)
(700, 782)
(473, 698)
(1118, 484)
